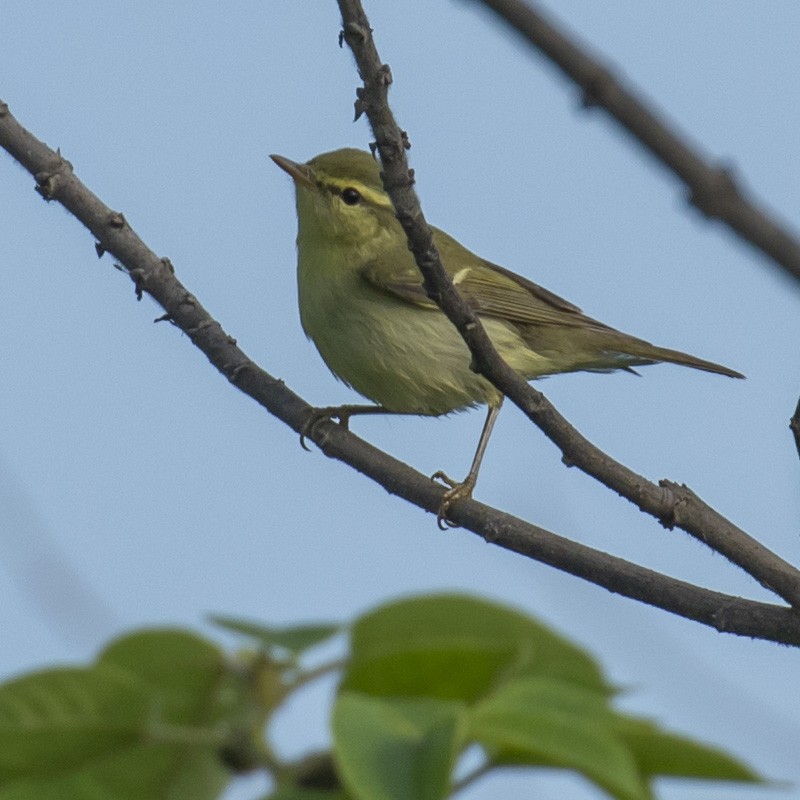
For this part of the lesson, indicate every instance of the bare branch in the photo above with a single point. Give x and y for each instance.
(155, 276)
(671, 504)
(712, 187)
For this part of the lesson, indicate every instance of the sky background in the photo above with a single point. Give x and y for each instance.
(137, 487)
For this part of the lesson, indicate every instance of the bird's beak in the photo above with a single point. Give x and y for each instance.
(300, 173)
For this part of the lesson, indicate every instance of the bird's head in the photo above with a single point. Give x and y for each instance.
(340, 197)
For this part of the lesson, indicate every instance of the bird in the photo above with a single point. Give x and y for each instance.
(362, 303)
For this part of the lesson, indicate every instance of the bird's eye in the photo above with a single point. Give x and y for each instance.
(350, 196)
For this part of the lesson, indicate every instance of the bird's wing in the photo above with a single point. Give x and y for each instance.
(490, 290)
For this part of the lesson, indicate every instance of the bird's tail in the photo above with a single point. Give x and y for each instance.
(653, 353)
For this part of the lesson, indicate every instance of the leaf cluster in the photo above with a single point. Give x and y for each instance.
(429, 684)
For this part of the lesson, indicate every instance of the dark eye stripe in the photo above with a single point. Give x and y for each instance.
(349, 195)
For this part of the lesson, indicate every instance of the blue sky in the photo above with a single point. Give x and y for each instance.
(137, 487)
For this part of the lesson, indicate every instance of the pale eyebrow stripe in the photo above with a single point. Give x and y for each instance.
(370, 195)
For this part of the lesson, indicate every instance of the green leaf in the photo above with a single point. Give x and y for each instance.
(457, 647)
(54, 720)
(659, 752)
(185, 670)
(295, 640)
(396, 749)
(543, 721)
(299, 793)
(141, 772)
(145, 723)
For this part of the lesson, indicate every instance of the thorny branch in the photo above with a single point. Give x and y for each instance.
(794, 424)
(673, 505)
(155, 276)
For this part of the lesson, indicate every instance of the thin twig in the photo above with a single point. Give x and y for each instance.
(712, 188)
(56, 181)
(673, 505)
(310, 675)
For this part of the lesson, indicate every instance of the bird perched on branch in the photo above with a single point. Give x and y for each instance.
(363, 305)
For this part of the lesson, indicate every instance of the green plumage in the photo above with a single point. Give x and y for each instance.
(363, 305)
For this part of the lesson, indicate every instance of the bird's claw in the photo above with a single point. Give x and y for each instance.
(318, 415)
(458, 490)
(444, 478)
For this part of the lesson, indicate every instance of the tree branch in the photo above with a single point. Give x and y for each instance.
(673, 505)
(56, 181)
(713, 189)
(794, 424)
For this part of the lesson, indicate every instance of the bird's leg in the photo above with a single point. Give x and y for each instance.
(463, 490)
(340, 413)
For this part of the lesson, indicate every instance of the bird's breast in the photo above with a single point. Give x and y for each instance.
(406, 358)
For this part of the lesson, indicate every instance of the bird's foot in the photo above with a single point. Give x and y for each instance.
(458, 490)
(341, 414)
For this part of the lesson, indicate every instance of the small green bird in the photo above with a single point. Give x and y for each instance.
(363, 305)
